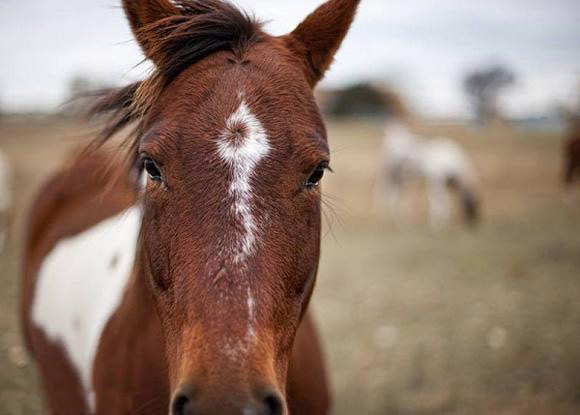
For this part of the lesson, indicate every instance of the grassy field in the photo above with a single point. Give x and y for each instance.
(466, 322)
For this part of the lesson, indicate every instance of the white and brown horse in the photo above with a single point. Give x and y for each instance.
(440, 162)
(190, 291)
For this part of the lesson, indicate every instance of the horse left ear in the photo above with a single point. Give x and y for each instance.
(317, 39)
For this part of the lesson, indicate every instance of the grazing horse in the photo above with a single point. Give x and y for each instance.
(179, 280)
(572, 153)
(5, 197)
(439, 161)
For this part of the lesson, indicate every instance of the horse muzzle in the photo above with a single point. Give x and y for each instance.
(188, 400)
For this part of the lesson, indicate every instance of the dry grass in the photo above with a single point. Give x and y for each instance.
(414, 322)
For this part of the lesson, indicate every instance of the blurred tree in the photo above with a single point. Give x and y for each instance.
(358, 99)
(365, 99)
(483, 88)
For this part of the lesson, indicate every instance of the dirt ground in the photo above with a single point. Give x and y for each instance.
(458, 321)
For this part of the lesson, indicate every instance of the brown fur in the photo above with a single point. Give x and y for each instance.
(171, 338)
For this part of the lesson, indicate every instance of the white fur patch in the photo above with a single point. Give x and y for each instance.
(80, 285)
(243, 153)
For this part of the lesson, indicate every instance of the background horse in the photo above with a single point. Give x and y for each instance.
(5, 196)
(572, 153)
(190, 291)
(440, 162)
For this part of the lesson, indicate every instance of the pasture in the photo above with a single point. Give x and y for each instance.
(460, 321)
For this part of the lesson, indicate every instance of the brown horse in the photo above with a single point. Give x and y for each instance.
(572, 153)
(188, 287)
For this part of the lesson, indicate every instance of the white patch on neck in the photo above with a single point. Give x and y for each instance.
(81, 283)
(243, 154)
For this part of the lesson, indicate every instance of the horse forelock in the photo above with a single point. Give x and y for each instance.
(201, 29)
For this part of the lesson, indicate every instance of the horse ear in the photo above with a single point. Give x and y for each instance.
(316, 40)
(143, 15)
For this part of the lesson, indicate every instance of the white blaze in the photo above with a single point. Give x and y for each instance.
(243, 153)
(242, 146)
(80, 285)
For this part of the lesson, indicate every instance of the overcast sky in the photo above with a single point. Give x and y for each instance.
(421, 47)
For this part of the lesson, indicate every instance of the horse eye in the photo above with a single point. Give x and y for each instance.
(316, 176)
(152, 170)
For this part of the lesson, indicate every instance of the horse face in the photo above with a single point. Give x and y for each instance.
(234, 149)
(231, 222)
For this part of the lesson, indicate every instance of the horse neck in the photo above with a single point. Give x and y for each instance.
(137, 303)
(136, 316)
(132, 349)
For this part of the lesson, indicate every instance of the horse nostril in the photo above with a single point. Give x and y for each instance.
(181, 404)
(273, 404)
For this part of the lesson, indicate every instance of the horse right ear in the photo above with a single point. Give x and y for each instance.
(146, 18)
